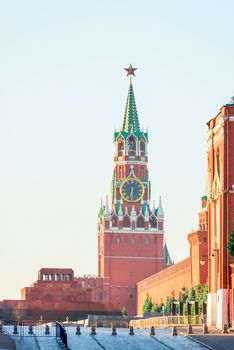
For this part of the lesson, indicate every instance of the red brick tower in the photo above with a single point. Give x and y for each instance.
(130, 231)
(198, 247)
(221, 215)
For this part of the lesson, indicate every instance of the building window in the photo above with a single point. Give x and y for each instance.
(126, 221)
(218, 163)
(114, 221)
(153, 222)
(118, 240)
(120, 148)
(133, 240)
(131, 143)
(140, 222)
(147, 240)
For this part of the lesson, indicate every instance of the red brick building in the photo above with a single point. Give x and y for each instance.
(221, 216)
(131, 228)
(57, 294)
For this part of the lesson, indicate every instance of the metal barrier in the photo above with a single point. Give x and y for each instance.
(163, 321)
(27, 328)
(61, 333)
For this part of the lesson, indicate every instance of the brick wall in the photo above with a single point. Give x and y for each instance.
(164, 283)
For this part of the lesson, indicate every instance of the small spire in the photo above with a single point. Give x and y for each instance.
(160, 211)
(167, 261)
(231, 101)
(120, 212)
(146, 210)
(107, 209)
(133, 212)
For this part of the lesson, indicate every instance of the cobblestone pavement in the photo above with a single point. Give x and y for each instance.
(141, 340)
(41, 343)
(217, 342)
(163, 340)
(6, 343)
(214, 340)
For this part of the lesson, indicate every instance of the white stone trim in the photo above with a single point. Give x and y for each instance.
(133, 257)
(229, 118)
(124, 230)
(119, 162)
(218, 125)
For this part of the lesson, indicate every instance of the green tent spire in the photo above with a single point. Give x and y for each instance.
(131, 121)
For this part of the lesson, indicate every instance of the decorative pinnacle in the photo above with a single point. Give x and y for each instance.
(131, 121)
(130, 70)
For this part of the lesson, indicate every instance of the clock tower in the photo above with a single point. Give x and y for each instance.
(130, 228)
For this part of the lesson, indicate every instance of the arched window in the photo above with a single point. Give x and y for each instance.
(140, 221)
(126, 221)
(114, 220)
(152, 221)
(118, 240)
(131, 144)
(120, 147)
(142, 146)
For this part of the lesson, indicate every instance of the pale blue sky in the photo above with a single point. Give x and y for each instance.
(62, 93)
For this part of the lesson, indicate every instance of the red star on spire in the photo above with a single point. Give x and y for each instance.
(130, 70)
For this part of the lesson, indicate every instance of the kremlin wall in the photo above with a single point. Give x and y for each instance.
(133, 258)
(185, 274)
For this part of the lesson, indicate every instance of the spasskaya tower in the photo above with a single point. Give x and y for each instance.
(130, 229)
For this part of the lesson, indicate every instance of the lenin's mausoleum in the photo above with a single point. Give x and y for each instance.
(133, 258)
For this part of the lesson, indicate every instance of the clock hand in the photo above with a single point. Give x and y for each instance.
(131, 194)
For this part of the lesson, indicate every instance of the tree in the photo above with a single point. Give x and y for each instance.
(230, 246)
(183, 295)
(157, 307)
(148, 304)
(167, 307)
(154, 308)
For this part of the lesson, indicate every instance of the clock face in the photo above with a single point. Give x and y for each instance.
(132, 190)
